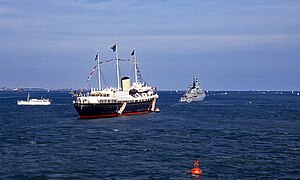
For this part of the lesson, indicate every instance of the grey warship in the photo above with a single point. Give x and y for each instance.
(193, 92)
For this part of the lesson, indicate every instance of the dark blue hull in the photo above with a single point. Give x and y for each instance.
(88, 111)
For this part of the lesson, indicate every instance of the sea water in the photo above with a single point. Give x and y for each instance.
(234, 135)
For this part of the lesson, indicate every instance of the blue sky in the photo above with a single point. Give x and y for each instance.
(230, 45)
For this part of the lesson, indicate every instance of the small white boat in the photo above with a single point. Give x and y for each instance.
(32, 102)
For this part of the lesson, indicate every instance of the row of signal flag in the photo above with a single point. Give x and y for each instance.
(113, 49)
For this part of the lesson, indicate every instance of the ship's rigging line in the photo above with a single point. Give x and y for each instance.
(93, 70)
(139, 74)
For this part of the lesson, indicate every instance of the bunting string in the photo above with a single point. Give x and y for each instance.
(106, 61)
(114, 47)
(113, 59)
(89, 77)
(124, 59)
(139, 74)
(93, 70)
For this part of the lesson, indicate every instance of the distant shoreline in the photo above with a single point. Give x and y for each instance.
(31, 89)
(70, 89)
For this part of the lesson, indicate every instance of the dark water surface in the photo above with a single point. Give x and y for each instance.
(231, 137)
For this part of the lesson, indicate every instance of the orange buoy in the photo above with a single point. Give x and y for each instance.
(196, 170)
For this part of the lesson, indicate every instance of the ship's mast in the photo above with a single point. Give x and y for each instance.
(99, 79)
(195, 82)
(118, 73)
(135, 65)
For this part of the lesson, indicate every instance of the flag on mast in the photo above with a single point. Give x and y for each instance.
(96, 58)
(132, 54)
(114, 47)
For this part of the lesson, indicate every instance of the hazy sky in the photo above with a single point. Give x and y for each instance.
(230, 45)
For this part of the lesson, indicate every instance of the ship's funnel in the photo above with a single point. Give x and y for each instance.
(125, 84)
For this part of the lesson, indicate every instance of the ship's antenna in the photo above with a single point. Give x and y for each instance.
(99, 79)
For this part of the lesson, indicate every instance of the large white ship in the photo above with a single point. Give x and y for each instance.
(193, 93)
(125, 99)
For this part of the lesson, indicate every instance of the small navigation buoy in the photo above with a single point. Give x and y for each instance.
(196, 170)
